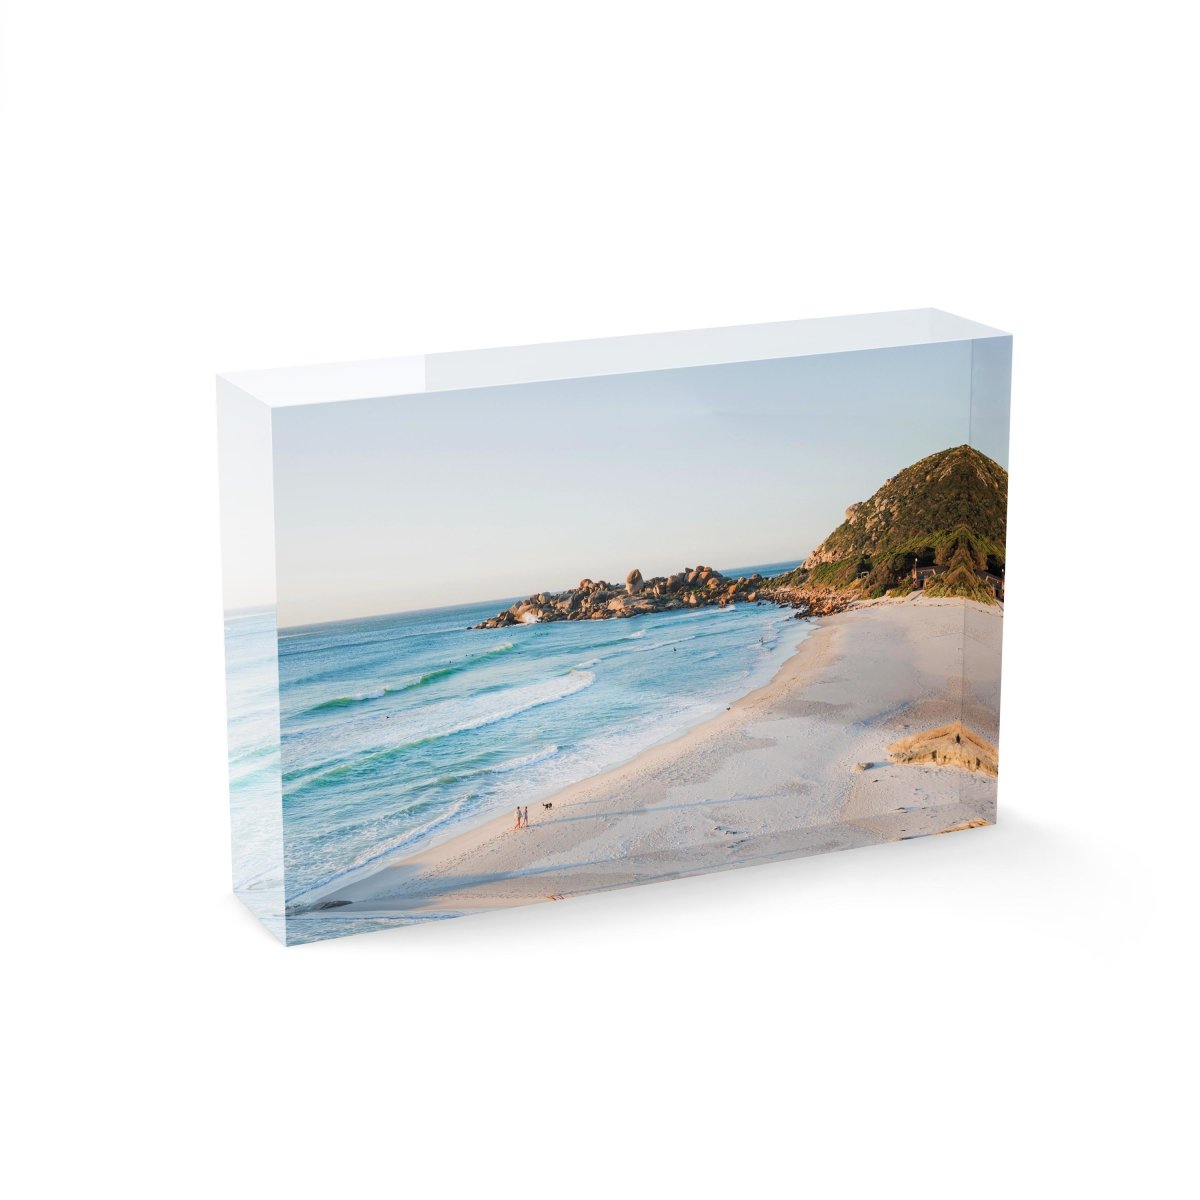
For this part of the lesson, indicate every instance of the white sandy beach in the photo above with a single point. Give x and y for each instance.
(772, 777)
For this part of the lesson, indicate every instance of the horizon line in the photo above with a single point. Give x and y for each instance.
(256, 609)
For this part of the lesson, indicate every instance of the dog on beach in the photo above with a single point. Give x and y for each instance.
(547, 805)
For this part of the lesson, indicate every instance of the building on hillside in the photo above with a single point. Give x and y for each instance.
(995, 582)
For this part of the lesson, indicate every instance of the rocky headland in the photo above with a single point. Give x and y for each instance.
(597, 600)
(938, 526)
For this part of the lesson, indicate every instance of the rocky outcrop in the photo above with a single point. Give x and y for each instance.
(596, 600)
(809, 601)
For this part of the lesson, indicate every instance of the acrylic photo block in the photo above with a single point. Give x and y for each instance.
(518, 625)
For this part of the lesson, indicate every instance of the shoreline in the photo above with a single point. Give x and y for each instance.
(771, 777)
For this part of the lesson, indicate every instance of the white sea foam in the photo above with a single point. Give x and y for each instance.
(500, 768)
(524, 760)
(668, 642)
(524, 698)
(375, 853)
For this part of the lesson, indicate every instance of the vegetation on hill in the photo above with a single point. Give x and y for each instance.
(946, 512)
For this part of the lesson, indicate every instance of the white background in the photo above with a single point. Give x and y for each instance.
(218, 186)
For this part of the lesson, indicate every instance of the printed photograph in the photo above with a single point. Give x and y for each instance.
(536, 641)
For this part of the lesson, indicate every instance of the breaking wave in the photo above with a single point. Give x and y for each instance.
(407, 686)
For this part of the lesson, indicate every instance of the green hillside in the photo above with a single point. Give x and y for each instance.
(946, 512)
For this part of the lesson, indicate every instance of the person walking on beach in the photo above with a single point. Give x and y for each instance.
(525, 816)
(518, 824)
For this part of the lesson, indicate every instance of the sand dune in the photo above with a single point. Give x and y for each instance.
(952, 745)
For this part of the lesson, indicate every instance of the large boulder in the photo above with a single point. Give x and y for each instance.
(499, 621)
(633, 582)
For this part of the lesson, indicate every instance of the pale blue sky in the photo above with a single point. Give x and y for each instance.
(444, 498)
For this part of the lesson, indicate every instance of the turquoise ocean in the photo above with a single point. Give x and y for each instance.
(396, 732)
